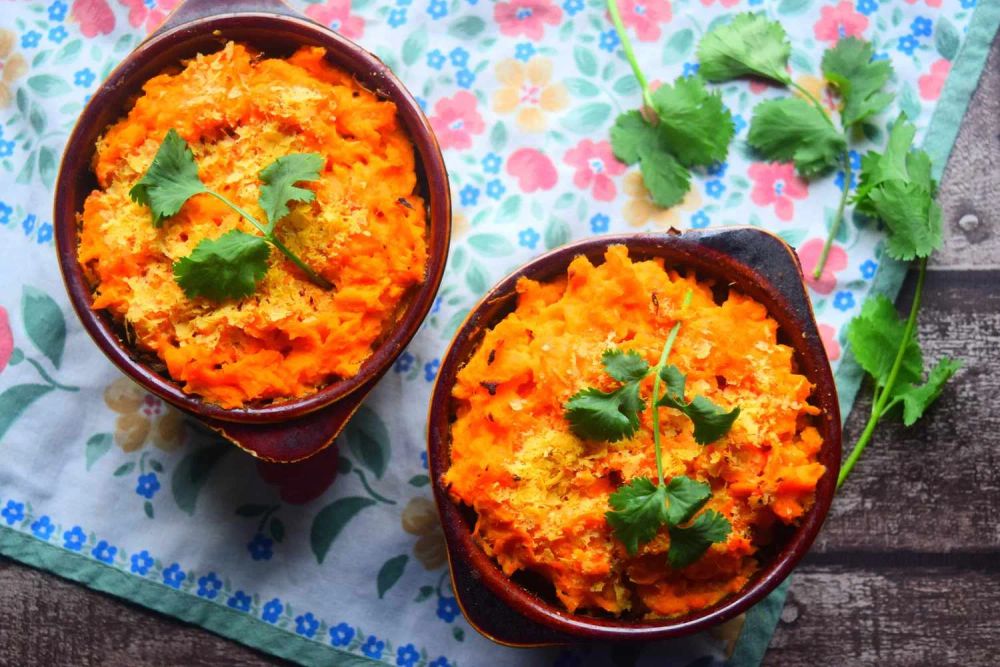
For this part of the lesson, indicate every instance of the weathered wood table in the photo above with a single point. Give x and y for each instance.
(906, 570)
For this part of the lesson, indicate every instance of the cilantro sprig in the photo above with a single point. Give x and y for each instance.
(897, 188)
(680, 125)
(795, 129)
(641, 508)
(232, 265)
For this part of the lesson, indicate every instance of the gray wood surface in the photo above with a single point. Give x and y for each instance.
(905, 572)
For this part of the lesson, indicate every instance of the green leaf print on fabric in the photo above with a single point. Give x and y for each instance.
(97, 446)
(48, 85)
(946, 40)
(414, 46)
(588, 118)
(585, 61)
(466, 27)
(557, 233)
(491, 245)
(16, 400)
(193, 471)
(44, 323)
(390, 572)
(331, 521)
(368, 440)
(678, 47)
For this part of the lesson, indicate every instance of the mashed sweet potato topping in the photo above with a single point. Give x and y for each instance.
(541, 493)
(364, 232)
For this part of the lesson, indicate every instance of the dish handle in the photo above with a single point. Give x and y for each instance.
(192, 10)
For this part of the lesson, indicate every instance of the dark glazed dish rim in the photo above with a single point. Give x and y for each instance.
(755, 262)
(174, 43)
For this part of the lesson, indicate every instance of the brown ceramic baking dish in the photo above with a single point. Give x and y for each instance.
(519, 611)
(295, 429)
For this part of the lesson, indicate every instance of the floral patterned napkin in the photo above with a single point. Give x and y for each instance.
(341, 560)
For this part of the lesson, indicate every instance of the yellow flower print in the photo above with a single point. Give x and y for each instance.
(640, 210)
(527, 88)
(817, 88)
(141, 415)
(420, 518)
(459, 225)
(14, 66)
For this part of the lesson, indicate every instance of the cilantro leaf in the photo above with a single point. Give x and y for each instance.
(695, 123)
(848, 65)
(710, 421)
(749, 45)
(279, 186)
(597, 415)
(630, 133)
(912, 216)
(897, 163)
(625, 366)
(687, 544)
(790, 128)
(876, 336)
(639, 510)
(916, 399)
(686, 498)
(172, 179)
(228, 267)
(666, 179)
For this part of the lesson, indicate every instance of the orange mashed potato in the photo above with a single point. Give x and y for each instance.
(541, 493)
(364, 232)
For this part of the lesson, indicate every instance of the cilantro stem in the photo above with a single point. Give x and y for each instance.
(882, 405)
(812, 99)
(656, 388)
(838, 219)
(647, 98)
(273, 239)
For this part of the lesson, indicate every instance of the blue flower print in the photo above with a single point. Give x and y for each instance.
(599, 223)
(173, 576)
(28, 224)
(573, 7)
(868, 268)
(13, 512)
(447, 609)
(754, 3)
(690, 69)
(968, 4)
(495, 189)
(141, 563)
(855, 158)
(843, 301)
(306, 625)
(422, 103)
(58, 34)
(718, 169)
(437, 305)
(465, 78)
(404, 3)
(700, 220)
(867, 7)
(373, 647)
(491, 164)
(469, 195)
(436, 59)
(6, 148)
(44, 233)
(459, 57)
(407, 656)
(209, 586)
(437, 9)
(261, 547)
(880, 55)
(739, 123)
(715, 188)
(908, 44)
(423, 459)
(104, 552)
(341, 634)
(524, 51)
(74, 538)
(404, 363)
(440, 661)
(431, 369)
(397, 17)
(239, 601)
(42, 527)
(272, 611)
(83, 77)
(5, 211)
(922, 26)
(30, 39)
(57, 11)
(609, 41)
(528, 238)
(147, 485)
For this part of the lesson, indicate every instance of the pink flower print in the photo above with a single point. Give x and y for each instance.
(595, 165)
(337, 15)
(724, 3)
(140, 13)
(836, 261)
(456, 119)
(840, 21)
(931, 84)
(776, 183)
(526, 17)
(532, 170)
(6, 339)
(829, 337)
(930, 3)
(94, 16)
(645, 16)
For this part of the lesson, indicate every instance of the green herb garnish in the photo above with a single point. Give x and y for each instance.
(640, 508)
(232, 265)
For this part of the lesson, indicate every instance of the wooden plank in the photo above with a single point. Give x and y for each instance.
(846, 615)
